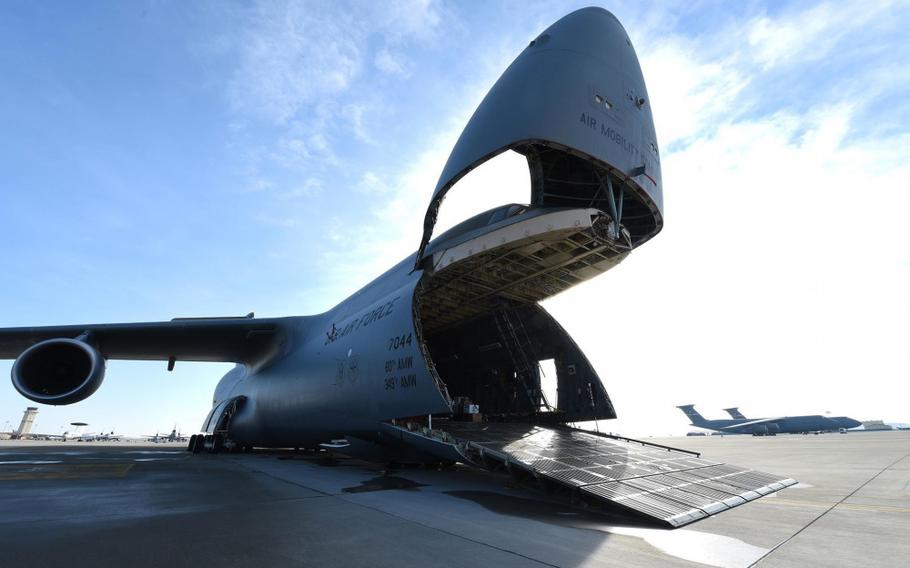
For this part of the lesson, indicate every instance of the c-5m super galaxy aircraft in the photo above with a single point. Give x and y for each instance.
(437, 359)
(739, 424)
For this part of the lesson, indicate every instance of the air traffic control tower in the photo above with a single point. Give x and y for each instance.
(28, 420)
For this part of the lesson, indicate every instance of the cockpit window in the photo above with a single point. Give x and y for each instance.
(505, 213)
(497, 216)
(480, 220)
(516, 210)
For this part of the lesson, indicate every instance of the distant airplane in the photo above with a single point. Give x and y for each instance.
(739, 424)
(76, 433)
(102, 437)
(174, 436)
(735, 413)
(437, 358)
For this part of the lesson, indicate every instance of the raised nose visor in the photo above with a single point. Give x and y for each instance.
(574, 103)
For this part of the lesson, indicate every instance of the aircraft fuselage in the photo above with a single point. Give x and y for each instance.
(368, 359)
(457, 327)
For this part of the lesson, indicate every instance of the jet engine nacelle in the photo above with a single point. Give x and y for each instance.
(58, 371)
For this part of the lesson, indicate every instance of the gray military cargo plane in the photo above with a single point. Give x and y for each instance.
(174, 436)
(735, 413)
(739, 424)
(437, 358)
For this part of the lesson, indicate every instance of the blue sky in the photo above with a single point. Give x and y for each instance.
(166, 159)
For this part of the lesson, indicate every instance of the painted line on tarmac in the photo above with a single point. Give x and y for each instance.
(849, 506)
(831, 508)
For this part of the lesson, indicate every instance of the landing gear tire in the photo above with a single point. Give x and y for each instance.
(192, 442)
(198, 443)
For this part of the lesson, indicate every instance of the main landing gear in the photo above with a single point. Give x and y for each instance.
(214, 444)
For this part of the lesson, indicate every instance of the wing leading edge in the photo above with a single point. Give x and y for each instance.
(755, 422)
(238, 340)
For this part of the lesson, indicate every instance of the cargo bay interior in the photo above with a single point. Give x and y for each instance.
(479, 316)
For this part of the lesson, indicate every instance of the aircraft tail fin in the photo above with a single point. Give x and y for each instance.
(692, 414)
(735, 413)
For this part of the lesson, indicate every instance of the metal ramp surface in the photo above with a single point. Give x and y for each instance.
(674, 486)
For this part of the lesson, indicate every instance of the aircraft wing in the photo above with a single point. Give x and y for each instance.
(239, 340)
(753, 422)
(46, 436)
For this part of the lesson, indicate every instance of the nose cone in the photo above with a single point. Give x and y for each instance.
(845, 422)
(574, 102)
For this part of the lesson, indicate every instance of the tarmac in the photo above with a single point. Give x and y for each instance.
(118, 504)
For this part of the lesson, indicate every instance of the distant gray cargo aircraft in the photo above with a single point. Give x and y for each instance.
(739, 424)
(437, 359)
(174, 436)
(735, 413)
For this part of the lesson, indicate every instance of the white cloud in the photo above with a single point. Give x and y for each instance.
(293, 55)
(292, 150)
(309, 188)
(810, 34)
(372, 184)
(694, 81)
(688, 93)
(355, 114)
(260, 184)
(305, 141)
(288, 222)
(304, 76)
(393, 63)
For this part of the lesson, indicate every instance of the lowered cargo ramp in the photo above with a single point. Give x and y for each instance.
(669, 485)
